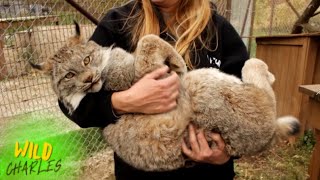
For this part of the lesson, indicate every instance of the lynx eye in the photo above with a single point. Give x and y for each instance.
(87, 60)
(69, 75)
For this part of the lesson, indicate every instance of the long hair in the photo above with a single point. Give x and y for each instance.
(192, 17)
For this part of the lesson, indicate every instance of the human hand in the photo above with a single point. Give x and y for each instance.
(200, 150)
(150, 95)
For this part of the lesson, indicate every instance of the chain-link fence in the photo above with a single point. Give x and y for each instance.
(32, 30)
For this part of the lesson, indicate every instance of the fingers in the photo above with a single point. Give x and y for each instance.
(202, 141)
(172, 80)
(200, 150)
(218, 140)
(153, 94)
(186, 150)
(158, 72)
(193, 139)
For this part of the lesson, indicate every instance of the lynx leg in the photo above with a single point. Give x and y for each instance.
(152, 52)
(256, 72)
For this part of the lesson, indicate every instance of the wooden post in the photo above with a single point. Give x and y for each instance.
(229, 9)
(313, 110)
(253, 14)
(314, 168)
(245, 18)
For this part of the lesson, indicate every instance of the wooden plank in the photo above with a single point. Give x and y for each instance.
(274, 41)
(316, 77)
(310, 90)
(25, 18)
(27, 21)
(307, 74)
(314, 168)
(286, 36)
(313, 58)
(285, 62)
(314, 112)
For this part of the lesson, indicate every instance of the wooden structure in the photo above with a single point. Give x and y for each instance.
(312, 113)
(16, 22)
(294, 60)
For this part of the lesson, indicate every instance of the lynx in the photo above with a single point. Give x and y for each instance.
(242, 111)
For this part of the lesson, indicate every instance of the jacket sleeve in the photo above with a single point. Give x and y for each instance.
(234, 51)
(95, 109)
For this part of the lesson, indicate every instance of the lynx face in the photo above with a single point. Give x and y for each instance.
(76, 71)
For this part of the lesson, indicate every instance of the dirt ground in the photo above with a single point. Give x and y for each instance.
(99, 167)
(283, 161)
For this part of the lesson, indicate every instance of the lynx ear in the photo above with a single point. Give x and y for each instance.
(77, 39)
(44, 67)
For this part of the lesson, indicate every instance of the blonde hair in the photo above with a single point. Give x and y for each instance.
(192, 17)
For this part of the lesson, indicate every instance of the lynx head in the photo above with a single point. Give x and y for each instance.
(75, 69)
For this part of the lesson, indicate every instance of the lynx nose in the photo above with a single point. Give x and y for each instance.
(87, 78)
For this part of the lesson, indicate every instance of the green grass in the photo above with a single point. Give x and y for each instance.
(70, 147)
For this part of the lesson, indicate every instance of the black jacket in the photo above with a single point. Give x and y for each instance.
(95, 109)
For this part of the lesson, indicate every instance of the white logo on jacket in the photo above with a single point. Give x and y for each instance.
(214, 60)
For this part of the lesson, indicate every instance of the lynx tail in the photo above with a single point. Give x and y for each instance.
(288, 126)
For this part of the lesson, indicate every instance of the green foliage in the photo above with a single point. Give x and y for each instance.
(307, 140)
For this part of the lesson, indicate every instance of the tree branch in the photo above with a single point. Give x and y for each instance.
(306, 15)
(316, 13)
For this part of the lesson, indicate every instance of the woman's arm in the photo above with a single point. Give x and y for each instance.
(94, 110)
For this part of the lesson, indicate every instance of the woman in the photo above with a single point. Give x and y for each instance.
(203, 38)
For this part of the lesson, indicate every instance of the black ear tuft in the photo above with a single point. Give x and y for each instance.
(77, 27)
(36, 66)
(44, 67)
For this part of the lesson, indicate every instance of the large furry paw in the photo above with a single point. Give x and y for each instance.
(160, 52)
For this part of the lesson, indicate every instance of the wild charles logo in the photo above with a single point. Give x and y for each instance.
(33, 163)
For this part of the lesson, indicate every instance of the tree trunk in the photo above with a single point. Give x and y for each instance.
(304, 18)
